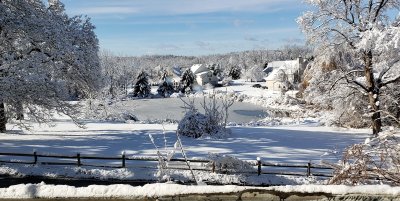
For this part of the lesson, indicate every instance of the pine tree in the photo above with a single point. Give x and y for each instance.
(165, 88)
(142, 87)
(235, 72)
(187, 81)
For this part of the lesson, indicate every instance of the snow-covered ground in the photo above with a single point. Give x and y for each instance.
(288, 144)
(279, 140)
(154, 191)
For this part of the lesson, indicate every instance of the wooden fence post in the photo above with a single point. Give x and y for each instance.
(259, 166)
(308, 169)
(78, 156)
(123, 159)
(35, 158)
(213, 167)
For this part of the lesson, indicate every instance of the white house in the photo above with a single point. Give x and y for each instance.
(281, 75)
(175, 74)
(203, 74)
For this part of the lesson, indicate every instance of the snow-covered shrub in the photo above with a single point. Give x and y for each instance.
(107, 111)
(376, 158)
(227, 81)
(176, 95)
(210, 124)
(208, 86)
(193, 124)
(225, 163)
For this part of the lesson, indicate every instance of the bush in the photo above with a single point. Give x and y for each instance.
(256, 85)
(211, 124)
(107, 111)
(376, 158)
(193, 124)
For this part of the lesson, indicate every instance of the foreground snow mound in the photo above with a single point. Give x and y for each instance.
(224, 163)
(27, 191)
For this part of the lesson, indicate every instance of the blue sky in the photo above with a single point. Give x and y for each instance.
(191, 27)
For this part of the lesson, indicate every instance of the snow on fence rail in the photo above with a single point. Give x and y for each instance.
(121, 161)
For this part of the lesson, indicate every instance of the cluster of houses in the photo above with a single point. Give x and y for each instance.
(279, 75)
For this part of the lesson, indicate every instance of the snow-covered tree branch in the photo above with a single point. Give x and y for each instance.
(45, 56)
(364, 37)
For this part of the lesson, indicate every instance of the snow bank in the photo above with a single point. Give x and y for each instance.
(164, 190)
(112, 191)
(341, 189)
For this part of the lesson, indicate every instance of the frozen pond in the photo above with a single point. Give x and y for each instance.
(173, 108)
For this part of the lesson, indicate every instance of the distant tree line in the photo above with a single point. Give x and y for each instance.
(120, 72)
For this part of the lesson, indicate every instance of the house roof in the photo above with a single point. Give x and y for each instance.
(202, 73)
(197, 68)
(273, 75)
(177, 71)
(290, 65)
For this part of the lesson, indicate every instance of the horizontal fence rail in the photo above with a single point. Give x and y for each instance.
(260, 167)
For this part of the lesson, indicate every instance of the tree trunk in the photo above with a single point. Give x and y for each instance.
(20, 111)
(3, 118)
(373, 95)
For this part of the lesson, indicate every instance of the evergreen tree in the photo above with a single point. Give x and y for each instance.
(142, 87)
(235, 72)
(187, 81)
(165, 88)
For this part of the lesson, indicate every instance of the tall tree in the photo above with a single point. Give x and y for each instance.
(37, 51)
(366, 31)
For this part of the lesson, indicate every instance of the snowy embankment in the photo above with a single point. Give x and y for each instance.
(154, 191)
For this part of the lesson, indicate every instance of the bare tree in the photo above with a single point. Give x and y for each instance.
(369, 34)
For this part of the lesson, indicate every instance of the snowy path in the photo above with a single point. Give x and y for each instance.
(273, 144)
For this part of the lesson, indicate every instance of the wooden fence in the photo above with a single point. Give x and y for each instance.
(260, 167)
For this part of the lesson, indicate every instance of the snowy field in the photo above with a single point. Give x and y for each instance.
(280, 140)
(285, 141)
(293, 141)
(296, 143)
